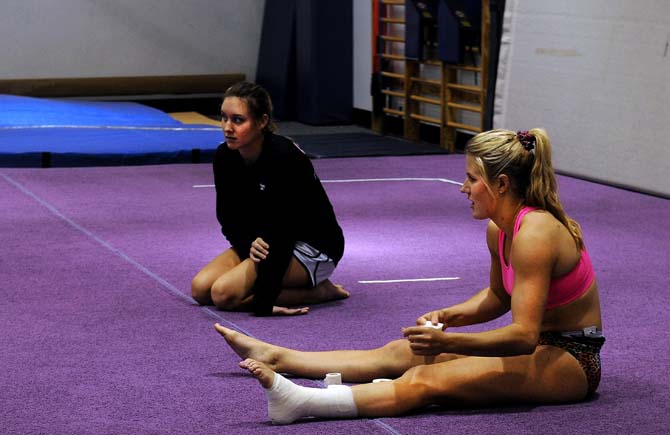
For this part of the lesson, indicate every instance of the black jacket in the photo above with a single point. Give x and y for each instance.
(280, 199)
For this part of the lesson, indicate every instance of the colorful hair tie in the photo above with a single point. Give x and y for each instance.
(527, 140)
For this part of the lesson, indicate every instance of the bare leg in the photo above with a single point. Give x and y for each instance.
(227, 282)
(203, 281)
(388, 361)
(550, 375)
(287, 401)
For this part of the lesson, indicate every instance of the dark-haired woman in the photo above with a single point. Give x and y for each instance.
(540, 272)
(284, 236)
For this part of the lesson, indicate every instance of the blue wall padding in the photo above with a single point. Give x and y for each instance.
(306, 60)
(452, 32)
(276, 56)
(324, 61)
(450, 47)
(459, 25)
(413, 32)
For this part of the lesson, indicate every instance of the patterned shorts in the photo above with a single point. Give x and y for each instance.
(318, 265)
(586, 349)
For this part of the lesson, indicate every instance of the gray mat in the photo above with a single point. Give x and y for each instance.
(361, 145)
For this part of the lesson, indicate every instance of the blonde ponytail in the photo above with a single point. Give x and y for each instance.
(525, 157)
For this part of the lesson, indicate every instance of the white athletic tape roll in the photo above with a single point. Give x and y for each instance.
(436, 326)
(333, 379)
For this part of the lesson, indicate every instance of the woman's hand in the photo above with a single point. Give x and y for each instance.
(434, 317)
(424, 340)
(259, 250)
(283, 311)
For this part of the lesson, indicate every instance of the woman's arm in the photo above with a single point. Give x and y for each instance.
(283, 179)
(488, 304)
(533, 258)
(231, 201)
(484, 306)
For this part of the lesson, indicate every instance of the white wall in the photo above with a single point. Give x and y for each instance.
(110, 38)
(362, 53)
(595, 74)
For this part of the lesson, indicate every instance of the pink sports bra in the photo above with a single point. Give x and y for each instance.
(562, 290)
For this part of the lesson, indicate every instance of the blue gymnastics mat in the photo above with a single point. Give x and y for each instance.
(50, 132)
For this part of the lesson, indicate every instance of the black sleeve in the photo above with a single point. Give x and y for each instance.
(270, 274)
(230, 204)
(278, 229)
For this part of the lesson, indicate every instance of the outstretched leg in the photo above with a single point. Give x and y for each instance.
(550, 375)
(388, 361)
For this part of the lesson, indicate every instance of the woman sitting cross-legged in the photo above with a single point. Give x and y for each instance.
(540, 271)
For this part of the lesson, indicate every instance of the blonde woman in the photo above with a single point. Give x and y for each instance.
(540, 271)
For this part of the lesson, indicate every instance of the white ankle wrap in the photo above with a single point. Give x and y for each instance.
(288, 402)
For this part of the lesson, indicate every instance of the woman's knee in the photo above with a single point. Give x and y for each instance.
(200, 290)
(224, 297)
(422, 379)
(397, 356)
(397, 348)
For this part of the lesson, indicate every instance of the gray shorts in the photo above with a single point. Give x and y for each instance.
(319, 266)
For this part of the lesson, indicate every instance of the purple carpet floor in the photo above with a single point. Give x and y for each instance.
(99, 334)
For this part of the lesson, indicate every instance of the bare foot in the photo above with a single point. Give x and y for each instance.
(331, 292)
(248, 347)
(263, 374)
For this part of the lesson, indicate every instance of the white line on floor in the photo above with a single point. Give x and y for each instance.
(369, 180)
(386, 281)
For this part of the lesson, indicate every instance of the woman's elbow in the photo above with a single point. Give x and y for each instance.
(527, 342)
(526, 348)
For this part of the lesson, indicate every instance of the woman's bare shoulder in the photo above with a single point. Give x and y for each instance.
(492, 232)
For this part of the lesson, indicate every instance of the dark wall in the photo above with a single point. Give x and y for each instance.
(306, 60)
